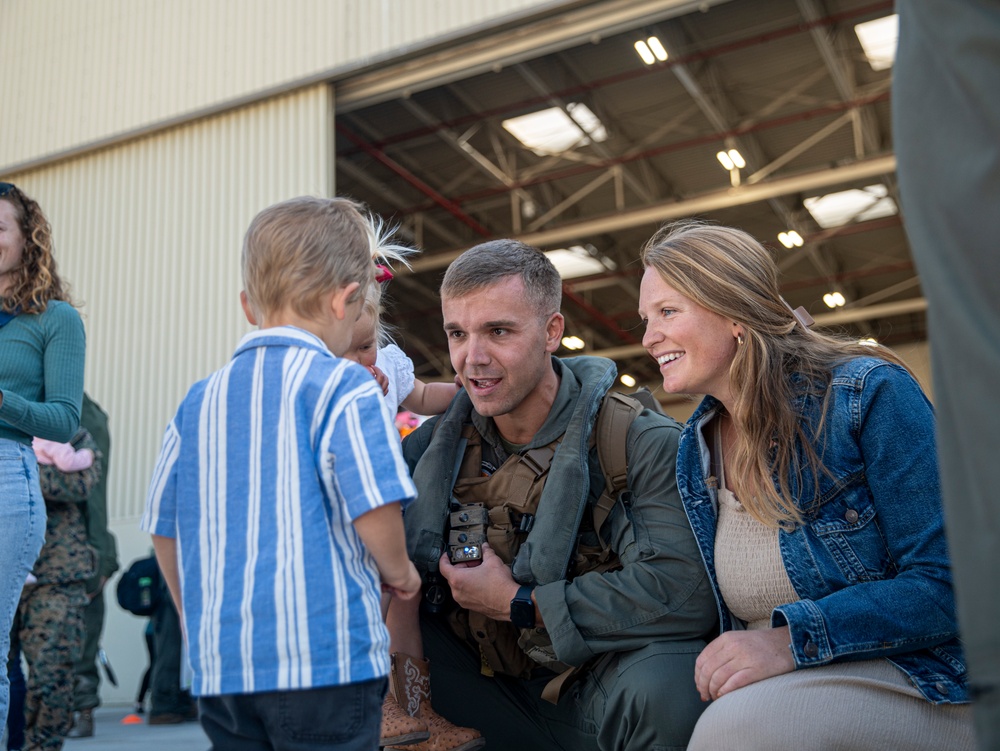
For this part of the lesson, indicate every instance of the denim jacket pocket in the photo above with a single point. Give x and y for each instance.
(849, 531)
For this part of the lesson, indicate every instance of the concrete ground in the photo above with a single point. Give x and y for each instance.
(111, 734)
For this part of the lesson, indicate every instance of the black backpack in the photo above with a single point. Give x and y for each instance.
(140, 588)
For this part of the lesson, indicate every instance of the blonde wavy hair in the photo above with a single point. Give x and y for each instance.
(730, 273)
(35, 281)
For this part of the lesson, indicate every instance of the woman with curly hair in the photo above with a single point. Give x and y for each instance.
(41, 390)
(809, 476)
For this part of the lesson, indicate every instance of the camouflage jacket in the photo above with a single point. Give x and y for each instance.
(66, 556)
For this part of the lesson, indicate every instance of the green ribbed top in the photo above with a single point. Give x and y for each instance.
(41, 374)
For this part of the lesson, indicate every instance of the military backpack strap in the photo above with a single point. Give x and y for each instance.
(614, 419)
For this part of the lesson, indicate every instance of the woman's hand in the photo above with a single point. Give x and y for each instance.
(739, 658)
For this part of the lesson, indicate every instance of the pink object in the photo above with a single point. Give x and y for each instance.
(62, 455)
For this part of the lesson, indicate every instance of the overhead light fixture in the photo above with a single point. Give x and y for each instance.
(834, 299)
(650, 50)
(854, 205)
(731, 159)
(576, 261)
(627, 380)
(573, 342)
(791, 239)
(878, 40)
(644, 52)
(554, 130)
(658, 49)
(869, 342)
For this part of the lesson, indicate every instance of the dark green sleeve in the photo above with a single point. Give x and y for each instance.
(662, 591)
(95, 420)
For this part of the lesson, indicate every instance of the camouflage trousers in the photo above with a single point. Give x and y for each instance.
(50, 619)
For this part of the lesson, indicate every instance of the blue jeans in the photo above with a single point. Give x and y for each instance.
(18, 690)
(332, 718)
(22, 531)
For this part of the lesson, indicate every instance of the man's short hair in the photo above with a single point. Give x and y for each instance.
(299, 250)
(488, 263)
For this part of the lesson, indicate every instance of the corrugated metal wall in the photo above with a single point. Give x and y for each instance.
(83, 71)
(149, 236)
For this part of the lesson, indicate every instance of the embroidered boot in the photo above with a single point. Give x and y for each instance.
(398, 728)
(411, 684)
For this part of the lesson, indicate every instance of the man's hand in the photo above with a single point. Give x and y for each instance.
(486, 588)
(739, 658)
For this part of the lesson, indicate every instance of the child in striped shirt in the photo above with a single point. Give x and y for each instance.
(275, 502)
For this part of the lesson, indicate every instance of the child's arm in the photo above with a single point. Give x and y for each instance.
(429, 398)
(380, 378)
(381, 530)
(166, 558)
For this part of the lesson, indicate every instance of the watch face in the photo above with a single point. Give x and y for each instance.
(522, 610)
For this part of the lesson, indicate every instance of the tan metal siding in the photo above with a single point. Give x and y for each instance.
(80, 72)
(149, 237)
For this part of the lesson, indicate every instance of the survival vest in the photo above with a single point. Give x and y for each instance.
(500, 508)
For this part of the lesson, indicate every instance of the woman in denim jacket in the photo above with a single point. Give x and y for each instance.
(809, 476)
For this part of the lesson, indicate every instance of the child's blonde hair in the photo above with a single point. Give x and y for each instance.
(299, 250)
(383, 250)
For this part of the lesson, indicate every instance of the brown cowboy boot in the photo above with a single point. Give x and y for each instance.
(399, 728)
(411, 683)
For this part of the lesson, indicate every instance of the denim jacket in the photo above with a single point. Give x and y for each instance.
(870, 560)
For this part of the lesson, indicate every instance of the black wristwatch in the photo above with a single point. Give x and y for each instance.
(522, 608)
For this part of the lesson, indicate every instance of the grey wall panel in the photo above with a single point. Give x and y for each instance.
(149, 237)
(81, 72)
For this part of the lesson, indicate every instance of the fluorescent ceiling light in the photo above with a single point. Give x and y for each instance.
(731, 159)
(627, 380)
(790, 239)
(573, 342)
(553, 131)
(834, 299)
(855, 205)
(869, 342)
(658, 49)
(575, 261)
(645, 53)
(878, 40)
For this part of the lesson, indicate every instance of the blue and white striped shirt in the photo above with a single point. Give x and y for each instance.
(261, 474)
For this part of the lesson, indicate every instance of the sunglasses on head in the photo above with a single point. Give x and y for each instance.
(9, 190)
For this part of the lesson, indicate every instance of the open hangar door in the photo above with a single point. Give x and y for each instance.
(768, 115)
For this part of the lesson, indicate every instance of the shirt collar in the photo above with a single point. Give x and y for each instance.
(288, 336)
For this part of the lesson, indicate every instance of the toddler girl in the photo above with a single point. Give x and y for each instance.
(407, 717)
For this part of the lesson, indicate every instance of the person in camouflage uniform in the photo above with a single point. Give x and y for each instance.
(86, 696)
(50, 613)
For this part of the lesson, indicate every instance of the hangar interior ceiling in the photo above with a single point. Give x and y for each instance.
(785, 83)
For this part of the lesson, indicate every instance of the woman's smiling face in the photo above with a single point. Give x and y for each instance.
(693, 346)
